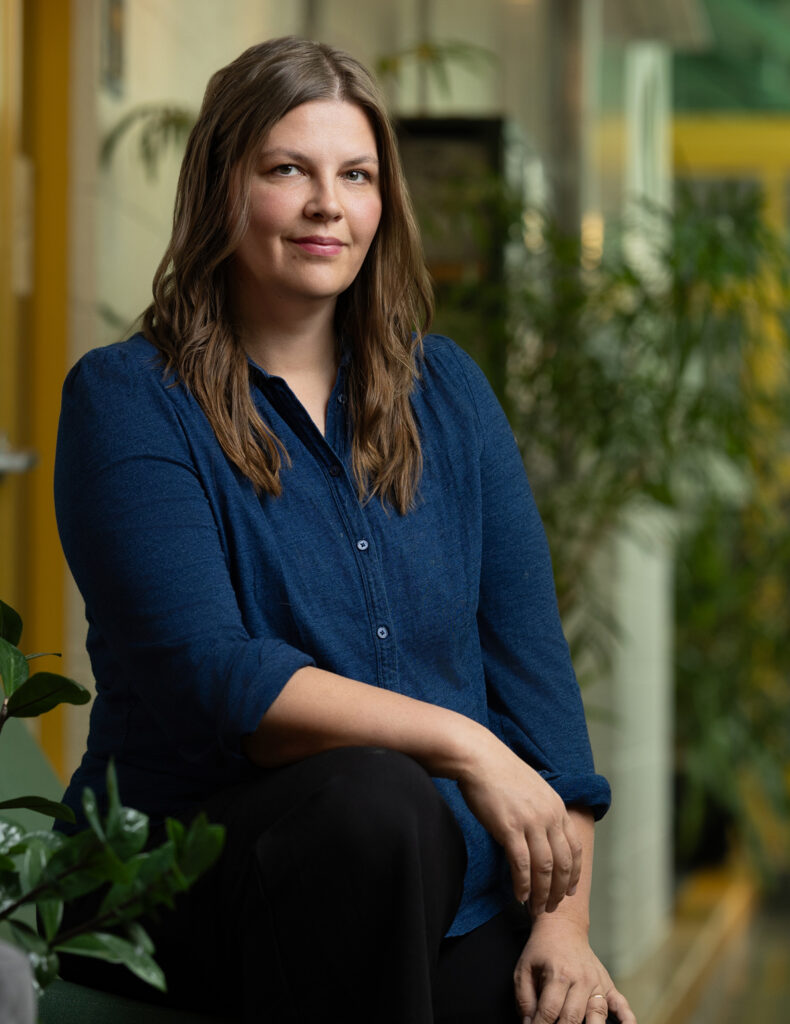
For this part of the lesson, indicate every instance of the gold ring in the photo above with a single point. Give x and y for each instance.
(597, 995)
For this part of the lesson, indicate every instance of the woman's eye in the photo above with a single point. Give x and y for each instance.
(357, 175)
(286, 170)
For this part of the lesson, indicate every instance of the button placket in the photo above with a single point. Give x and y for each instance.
(356, 523)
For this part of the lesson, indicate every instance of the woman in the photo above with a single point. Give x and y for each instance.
(319, 597)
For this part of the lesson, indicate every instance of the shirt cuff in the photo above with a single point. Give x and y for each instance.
(276, 663)
(591, 791)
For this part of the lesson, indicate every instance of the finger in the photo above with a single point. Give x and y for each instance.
(573, 1009)
(563, 863)
(577, 851)
(618, 1005)
(542, 871)
(597, 1009)
(526, 993)
(520, 861)
(551, 1002)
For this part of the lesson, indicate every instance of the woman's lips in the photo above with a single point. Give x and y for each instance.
(319, 245)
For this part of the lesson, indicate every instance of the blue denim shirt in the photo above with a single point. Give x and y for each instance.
(203, 597)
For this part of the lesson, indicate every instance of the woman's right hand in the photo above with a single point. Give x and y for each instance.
(528, 818)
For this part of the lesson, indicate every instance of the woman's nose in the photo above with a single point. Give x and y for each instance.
(323, 203)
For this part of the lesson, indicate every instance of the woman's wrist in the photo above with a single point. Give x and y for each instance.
(574, 910)
(471, 748)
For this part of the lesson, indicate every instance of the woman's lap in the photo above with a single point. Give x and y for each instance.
(337, 871)
(340, 876)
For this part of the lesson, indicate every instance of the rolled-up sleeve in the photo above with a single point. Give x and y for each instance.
(533, 696)
(146, 551)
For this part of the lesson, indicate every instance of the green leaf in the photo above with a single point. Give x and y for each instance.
(129, 832)
(10, 624)
(81, 865)
(43, 691)
(146, 968)
(202, 846)
(33, 852)
(113, 798)
(91, 809)
(9, 894)
(175, 830)
(10, 835)
(126, 829)
(37, 803)
(115, 950)
(146, 889)
(139, 937)
(33, 863)
(51, 915)
(13, 668)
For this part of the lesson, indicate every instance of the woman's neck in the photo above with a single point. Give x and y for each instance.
(303, 352)
(294, 338)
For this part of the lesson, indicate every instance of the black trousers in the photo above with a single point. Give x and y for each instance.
(339, 878)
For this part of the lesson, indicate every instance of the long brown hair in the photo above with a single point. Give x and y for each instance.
(381, 316)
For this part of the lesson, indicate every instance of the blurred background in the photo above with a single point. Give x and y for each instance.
(604, 192)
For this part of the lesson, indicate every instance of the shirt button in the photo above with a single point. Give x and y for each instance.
(382, 632)
(341, 399)
(363, 544)
(334, 470)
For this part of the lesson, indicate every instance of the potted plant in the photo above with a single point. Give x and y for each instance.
(42, 870)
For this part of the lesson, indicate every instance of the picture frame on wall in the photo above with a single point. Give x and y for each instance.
(448, 163)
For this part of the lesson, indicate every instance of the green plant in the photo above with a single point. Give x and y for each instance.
(435, 59)
(732, 728)
(625, 379)
(45, 869)
(160, 126)
(630, 377)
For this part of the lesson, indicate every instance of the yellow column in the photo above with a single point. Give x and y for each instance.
(45, 328)
(10, 486)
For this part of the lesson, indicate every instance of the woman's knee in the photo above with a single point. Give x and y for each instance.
(384, 794)
(371, 805)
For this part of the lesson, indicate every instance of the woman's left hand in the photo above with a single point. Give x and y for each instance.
(559, 980)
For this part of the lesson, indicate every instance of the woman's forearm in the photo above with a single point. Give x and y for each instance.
(319, 710)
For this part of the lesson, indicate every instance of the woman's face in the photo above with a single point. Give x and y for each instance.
(315, 205)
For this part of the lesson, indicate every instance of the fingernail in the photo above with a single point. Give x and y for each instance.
(527, 1020)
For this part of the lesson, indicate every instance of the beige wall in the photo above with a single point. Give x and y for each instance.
(172, 46)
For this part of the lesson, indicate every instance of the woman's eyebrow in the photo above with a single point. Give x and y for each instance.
(291, 155)
(365, 158)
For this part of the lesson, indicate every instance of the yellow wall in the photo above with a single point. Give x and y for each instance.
(737, 146)
(10, 486)
(44, 331)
